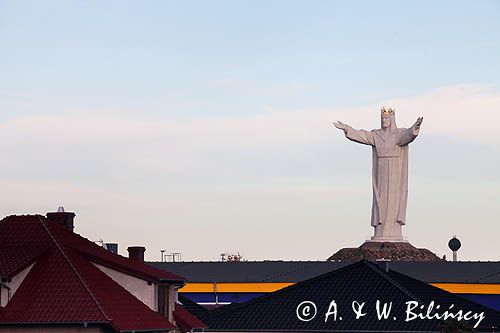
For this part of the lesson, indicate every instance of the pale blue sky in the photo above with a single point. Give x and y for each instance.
(209, 119)
(223, 57)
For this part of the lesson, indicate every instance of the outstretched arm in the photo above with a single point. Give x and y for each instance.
(409, 134)
(360, 136)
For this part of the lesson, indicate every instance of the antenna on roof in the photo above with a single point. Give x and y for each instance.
(173, 257)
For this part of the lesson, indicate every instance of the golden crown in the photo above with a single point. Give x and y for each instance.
(387, 111)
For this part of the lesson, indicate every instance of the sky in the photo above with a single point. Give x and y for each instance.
(205, 127)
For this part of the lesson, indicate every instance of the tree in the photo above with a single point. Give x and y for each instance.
(232, 257)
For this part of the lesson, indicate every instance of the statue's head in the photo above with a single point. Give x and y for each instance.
(388, 118)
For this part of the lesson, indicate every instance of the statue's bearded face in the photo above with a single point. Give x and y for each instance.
(386, 121)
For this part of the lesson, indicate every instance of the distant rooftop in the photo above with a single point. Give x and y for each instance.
(296, 271)
(362, 281)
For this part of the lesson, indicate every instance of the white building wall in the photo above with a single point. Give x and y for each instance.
(143, 291)
(14, 284)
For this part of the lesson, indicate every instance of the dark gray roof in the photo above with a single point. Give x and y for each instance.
(362, 281)
(296, 271)
(193, 307)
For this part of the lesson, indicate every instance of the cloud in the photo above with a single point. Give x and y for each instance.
(464, 110)
(96, 147)
(109, 149)
(469, 111)
(285, 166)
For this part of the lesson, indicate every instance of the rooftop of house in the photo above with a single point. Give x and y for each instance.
(363, 281)
(64, 285)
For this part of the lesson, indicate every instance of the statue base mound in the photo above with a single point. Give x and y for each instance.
(378, 250)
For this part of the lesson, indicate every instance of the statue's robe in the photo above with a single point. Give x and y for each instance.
(389, 176)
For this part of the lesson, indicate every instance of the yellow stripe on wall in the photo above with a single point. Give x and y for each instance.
(230, 287)
(197, 288)
(268, 287)
(251, 287)
(466, 288)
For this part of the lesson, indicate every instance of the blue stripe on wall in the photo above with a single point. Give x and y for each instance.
(223, 297)
(491, 301)
(238, 297)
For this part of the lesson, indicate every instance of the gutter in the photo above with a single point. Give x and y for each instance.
(9, 291)
(173, 281)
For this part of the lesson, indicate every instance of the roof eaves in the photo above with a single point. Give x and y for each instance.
(120, 268)
(181, 282)
(126, 269)
(100, 258)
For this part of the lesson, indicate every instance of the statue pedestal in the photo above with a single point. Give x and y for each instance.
(377, 250)
(388, 239)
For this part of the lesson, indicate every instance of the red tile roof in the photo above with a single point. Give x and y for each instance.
(20, 244)
(99, 255)
(15, 258)
(64, 286)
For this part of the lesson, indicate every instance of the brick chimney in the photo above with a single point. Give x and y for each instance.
(65, 219)
(136, 252)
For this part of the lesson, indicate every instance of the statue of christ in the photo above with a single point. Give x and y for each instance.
(389, 172)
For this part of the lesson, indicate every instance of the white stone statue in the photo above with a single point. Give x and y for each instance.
(389, 172)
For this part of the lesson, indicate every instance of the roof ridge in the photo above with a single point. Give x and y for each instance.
(142, 273)
(274, 276)
(486, 277)
(77, 273)
(226, 308)
(430, 286)
(386, 276)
